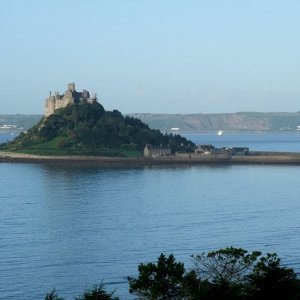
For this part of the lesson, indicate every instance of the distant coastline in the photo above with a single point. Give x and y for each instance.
(198, 122)
(228, 122)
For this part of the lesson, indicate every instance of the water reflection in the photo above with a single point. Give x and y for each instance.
(71, 226)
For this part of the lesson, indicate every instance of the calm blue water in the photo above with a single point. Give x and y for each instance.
(286, 142)
(70, 227)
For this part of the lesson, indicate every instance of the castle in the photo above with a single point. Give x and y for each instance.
(69, 97)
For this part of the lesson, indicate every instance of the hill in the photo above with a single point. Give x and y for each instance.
(242, 121)
(86, 128)
(18, 122)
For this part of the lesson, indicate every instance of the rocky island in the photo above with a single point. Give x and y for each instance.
(77, 128)
(77, 124)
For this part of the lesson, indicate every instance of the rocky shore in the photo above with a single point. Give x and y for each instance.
(277, 158)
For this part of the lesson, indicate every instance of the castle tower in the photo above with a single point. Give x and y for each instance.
(50, 105)
(71, 87)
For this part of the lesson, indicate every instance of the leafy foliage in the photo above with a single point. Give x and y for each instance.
(161, 280)
(53, 296)
(270, 280)
(226, 274)
(97, 293)
(225, 265)
(222, 273)
(88, 128)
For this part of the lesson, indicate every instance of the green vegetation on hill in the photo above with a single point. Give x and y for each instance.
(89, 129)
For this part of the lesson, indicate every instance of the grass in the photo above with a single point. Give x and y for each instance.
(52, 148)
(62, 152)
(131, 153)
(48, 148)
(54, 152)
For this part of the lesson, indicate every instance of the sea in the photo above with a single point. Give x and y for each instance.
(70, 227)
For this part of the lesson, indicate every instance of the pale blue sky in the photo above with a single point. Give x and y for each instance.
(165, 56)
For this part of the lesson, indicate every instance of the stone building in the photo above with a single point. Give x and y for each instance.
(155, 151)
(70, 96)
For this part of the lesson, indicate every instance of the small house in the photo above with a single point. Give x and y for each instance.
(156, 151)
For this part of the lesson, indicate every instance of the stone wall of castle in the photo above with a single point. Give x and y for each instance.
(70, 96)
(52, 104)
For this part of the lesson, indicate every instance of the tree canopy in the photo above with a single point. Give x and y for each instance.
(162, 280)
(227, 274)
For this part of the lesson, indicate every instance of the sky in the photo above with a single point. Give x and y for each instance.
(152, 56)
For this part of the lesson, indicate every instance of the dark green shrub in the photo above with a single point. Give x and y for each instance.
(97, 293)
(53, 296)
(161, 280)
(270, 280)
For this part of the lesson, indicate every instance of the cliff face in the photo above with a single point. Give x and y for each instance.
(243, 121)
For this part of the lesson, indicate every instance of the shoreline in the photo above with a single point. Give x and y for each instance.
(262, 158)
(11, 157)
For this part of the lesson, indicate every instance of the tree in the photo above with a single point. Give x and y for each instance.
(270, 280)
(163, 280)
(221, 273)
(225, 274)
(97, 293)
(53, 296)
(229, 264)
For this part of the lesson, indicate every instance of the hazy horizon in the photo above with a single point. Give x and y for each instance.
(167, 113)
(152, 56)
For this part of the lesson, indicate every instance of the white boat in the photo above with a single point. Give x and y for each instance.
(175, 130)
(220, 132)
